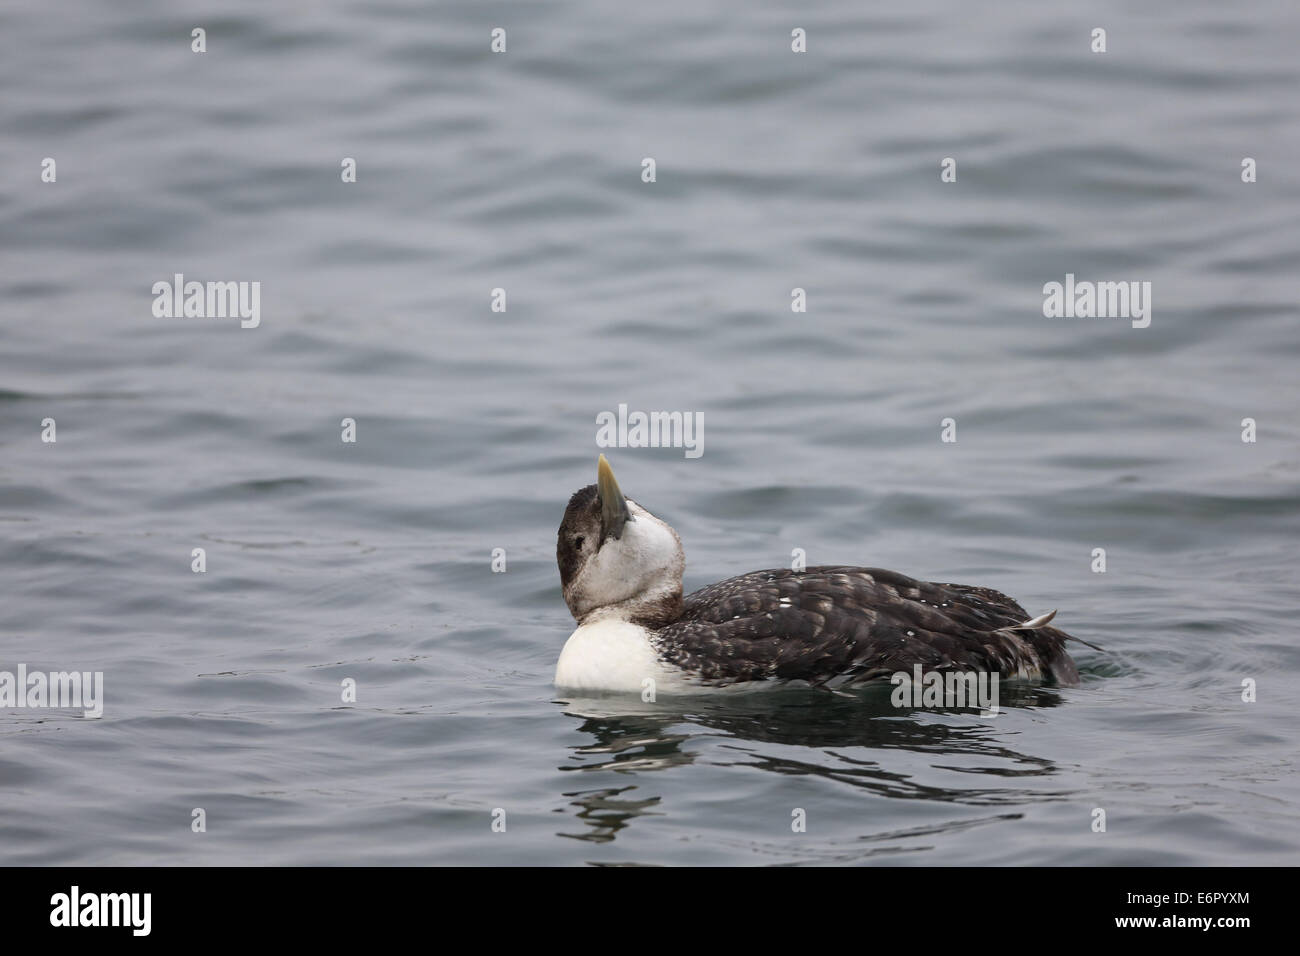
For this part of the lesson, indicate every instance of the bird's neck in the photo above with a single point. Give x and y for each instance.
(651, 609)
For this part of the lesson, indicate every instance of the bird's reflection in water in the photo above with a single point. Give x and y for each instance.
(635, 737)
(606, 812)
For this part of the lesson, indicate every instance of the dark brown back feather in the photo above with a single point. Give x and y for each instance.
(832, 622)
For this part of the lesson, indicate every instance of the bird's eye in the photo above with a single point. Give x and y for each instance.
(577, 542)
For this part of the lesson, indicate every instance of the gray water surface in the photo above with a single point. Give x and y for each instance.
(329, 561)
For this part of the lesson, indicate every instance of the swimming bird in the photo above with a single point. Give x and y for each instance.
(827, 627)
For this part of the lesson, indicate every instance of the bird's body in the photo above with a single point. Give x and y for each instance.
(611, 655)
(827, 626)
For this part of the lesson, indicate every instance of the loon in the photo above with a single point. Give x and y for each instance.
(826, 627)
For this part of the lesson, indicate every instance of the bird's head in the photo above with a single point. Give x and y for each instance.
(616, 558)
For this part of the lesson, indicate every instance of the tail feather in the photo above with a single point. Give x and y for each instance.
(1033, 624)
(1040, 622)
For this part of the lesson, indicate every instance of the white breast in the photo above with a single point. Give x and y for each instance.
(612, 655)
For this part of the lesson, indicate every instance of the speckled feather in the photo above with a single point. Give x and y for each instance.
(844, 624)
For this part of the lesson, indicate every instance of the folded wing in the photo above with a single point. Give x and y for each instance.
(848, 625)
